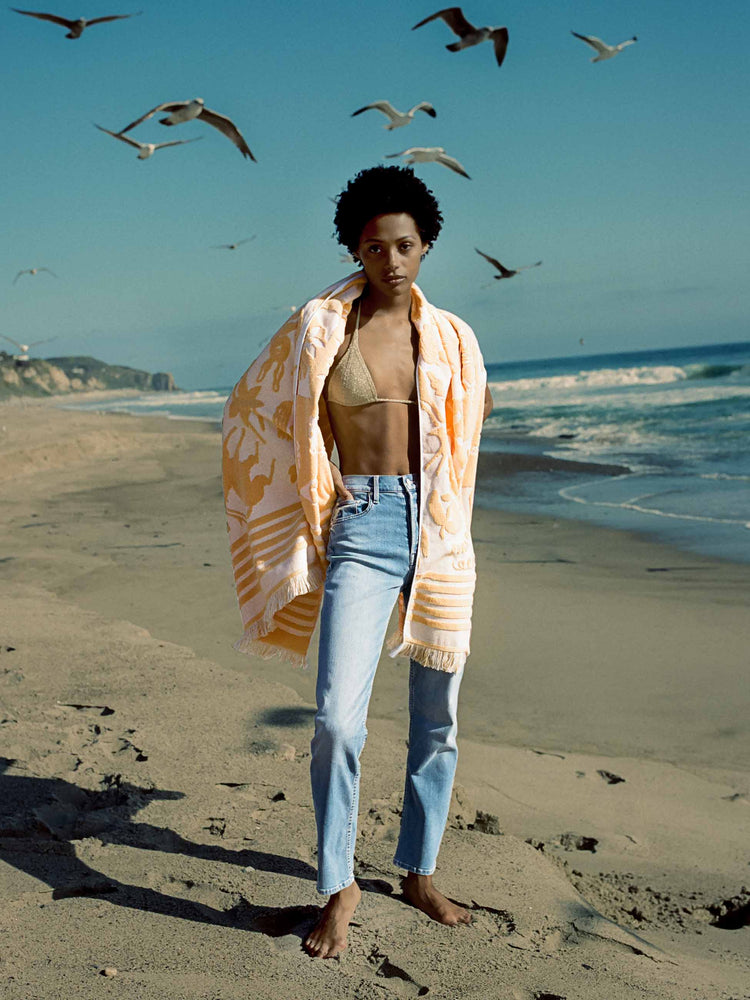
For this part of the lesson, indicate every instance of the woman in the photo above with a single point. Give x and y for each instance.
(400, 389)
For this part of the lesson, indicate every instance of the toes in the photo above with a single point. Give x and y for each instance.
(311, 946)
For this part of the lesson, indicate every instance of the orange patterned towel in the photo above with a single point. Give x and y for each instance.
(279, 490)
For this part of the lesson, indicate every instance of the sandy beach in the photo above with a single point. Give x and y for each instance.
(155, 814)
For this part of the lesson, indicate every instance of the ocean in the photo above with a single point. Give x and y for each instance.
(677, 421)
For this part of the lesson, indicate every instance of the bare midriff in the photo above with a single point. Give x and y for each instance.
(381, 438)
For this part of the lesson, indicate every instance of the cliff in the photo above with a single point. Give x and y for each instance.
(50, 376)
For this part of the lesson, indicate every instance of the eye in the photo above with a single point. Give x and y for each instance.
(373, 249)
(406, 247)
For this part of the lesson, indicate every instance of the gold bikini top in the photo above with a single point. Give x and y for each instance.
(350, 383)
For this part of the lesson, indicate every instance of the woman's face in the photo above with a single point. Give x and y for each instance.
(391, 249)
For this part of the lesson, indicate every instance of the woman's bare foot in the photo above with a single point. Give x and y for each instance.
(420, 892)
(328, 937)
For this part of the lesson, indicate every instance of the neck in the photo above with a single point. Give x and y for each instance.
(394, 305)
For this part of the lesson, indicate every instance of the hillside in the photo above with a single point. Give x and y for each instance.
(50, 376)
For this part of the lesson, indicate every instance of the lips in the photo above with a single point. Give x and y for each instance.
(395, 278)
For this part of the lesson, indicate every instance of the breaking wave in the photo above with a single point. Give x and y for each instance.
(604, 378)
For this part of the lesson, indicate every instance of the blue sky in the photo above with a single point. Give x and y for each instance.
(627, 178)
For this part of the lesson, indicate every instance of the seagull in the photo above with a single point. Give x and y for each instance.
(32, 271)
(75, 28)
(603, 50)
(397, 118)
(185, 111)
(145, 149)
(232, 246)
(430, 154)
(468, 34)
(505, 272)
(25, 348)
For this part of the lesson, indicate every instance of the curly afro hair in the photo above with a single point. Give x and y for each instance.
(382, 191)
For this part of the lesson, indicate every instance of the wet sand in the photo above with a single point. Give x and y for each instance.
(604, 719)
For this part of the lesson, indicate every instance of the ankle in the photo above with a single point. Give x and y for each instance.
(349, 894)
(415, 881)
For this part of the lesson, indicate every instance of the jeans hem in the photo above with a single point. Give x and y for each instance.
(412, 869)
(336, 888)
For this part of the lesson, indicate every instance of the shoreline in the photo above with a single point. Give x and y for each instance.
(115, 572)
(518, 475)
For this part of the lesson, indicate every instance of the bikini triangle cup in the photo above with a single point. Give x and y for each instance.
(351, 382)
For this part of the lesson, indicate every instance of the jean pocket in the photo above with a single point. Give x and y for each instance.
(346, 510)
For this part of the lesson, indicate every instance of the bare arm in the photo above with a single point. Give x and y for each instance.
(489, 403)
(325, 427)
(341, 491)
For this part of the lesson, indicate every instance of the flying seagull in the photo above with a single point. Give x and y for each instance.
(22, 359)
(397, 118)
(75, 28)
(32, 271)
(468, 34)
(145, 149)
(604, 51)
(505, 272)
(232, 246)
(185, 111)
(25, 348)
(430, 154)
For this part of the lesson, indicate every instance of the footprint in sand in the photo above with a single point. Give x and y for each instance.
(383, 819)
(737, 797)
(493, 920)
(487, 823)
(731, 914)
(386, 969)
(610, 777)
(576, 842)
(100, 709)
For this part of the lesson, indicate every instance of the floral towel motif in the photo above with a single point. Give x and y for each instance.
(279, 491)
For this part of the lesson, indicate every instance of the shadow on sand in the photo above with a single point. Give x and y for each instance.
(41, 818)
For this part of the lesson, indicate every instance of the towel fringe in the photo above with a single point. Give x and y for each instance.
(251, 642)
(447, 660)
(296, 587)
(256, 647)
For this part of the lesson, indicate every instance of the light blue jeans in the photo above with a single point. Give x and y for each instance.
(372, 552)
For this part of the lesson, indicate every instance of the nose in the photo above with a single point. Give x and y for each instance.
(391, 258)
